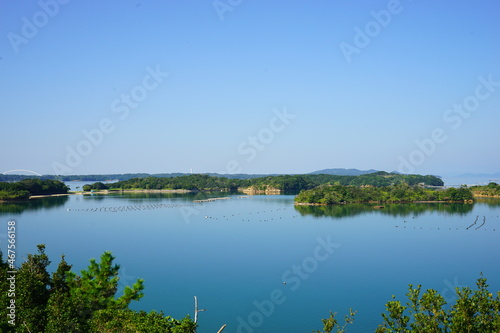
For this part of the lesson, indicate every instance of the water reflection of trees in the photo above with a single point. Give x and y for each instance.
(151, 197)
(32, 205)
(413, 209)
(491, 202)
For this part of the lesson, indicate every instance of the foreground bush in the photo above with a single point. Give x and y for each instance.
(475, 311)
(68, 302)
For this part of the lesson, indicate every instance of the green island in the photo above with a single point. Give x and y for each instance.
(270, 184)
(88, 303)
(24, 189)
(400, 193)
(311, 189)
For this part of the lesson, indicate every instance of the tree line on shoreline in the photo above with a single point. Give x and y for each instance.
(317, 188)
(490, 190)
(400, 193)
(283, 183)
(23, 189)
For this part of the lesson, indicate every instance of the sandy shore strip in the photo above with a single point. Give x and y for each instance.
(50, 195)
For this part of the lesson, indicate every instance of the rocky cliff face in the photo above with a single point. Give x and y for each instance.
(252, 190)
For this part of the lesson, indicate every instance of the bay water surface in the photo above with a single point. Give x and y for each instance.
(260, 264)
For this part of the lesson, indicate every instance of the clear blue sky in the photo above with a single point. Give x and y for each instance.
(356, 84)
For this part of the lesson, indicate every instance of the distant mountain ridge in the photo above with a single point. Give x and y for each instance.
(343, 172)
(126, 176)
(491, 175)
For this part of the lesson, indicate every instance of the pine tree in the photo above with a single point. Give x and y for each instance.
(62, 314)
(95, 289)
(32, 292)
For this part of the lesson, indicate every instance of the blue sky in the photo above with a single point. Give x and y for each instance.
(249, 86)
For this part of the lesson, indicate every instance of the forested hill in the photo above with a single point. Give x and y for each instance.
(23, 189)
(291, 183)
(119, 176)
(327, 195)
(343, 172)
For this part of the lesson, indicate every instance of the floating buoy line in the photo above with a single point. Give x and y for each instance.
(453, 228)
(129, 208)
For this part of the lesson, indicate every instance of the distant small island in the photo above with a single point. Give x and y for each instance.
(398, 193)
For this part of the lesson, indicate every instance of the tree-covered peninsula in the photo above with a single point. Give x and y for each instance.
(23, 189)
(399, 193)
(278, 184)
(491, 190)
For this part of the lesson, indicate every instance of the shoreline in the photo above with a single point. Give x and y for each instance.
(138, 191)
(107, 192)
(49, 195)
(476, 195)
(380, 202)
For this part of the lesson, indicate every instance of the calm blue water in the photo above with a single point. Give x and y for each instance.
(235, 254)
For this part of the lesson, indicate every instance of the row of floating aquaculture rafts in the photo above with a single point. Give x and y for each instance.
(260, 216)
(455, 228)
(131, 208)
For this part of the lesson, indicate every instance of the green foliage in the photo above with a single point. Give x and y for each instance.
(96, 186)
(190, 182)
(285, 183)
(67, 302)
(331, 322)
(131, 321)
(490, 190)
(474, 311)
(23, 189)
(62, 312)
(395, 193)
(14, 195)
(32, 292)
(95, 289)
